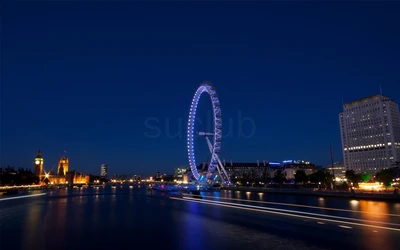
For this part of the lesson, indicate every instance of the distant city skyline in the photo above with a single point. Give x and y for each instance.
(90, 79)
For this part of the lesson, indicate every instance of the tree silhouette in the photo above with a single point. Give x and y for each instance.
(300, 176)
(265, 177)
(279, 177)
(321, 176)
(366, 177)
(353, 177)
(387, 175)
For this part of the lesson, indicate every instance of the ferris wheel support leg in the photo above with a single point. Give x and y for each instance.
(219, 172)
(211, 150)
(223, 169)
(219, 165)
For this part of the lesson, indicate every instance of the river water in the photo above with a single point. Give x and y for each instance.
(134, 217)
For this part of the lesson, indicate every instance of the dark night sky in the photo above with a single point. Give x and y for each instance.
(84, 77)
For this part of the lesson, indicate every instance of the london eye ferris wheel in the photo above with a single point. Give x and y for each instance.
(215, 167)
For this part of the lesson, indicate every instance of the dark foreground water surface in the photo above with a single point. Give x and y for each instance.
(134, 217)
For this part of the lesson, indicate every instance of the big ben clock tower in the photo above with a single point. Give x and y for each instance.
(38, 165)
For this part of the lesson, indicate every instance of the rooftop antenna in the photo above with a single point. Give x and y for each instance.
(380, 88)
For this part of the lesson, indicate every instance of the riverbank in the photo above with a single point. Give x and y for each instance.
(320, 193)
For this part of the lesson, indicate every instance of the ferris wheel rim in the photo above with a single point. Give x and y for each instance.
(205, 87)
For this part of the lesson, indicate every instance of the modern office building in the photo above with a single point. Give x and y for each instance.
(103, 170)
(370, 131)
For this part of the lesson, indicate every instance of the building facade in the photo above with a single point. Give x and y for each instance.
(63, 174)
(103, 170)
(291, 166)
(62, 166)
(370, 132)
(179, 173)
(251, 171)
(70, 178)
(261, 170)
(338, 170)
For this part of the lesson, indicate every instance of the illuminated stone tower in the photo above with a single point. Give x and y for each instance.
(63, 166)
(38, 165)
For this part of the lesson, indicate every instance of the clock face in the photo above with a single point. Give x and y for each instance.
(37, 162)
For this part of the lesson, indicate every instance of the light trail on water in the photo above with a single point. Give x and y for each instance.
(300, 212)
(303, 206)
(288, 213)
(21, 197)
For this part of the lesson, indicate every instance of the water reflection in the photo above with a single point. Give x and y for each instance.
(375, 211)
(281, 199)
(193, 207)
(354, 204)
(60, 209)
(191, 225)
(39, 217)
(80, 197)
(237, 194)
(32, 226)
(216, 196)
(96, 210)
(85, 222)
(112, 208)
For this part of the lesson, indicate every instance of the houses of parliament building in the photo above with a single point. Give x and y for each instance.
(63, 175)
